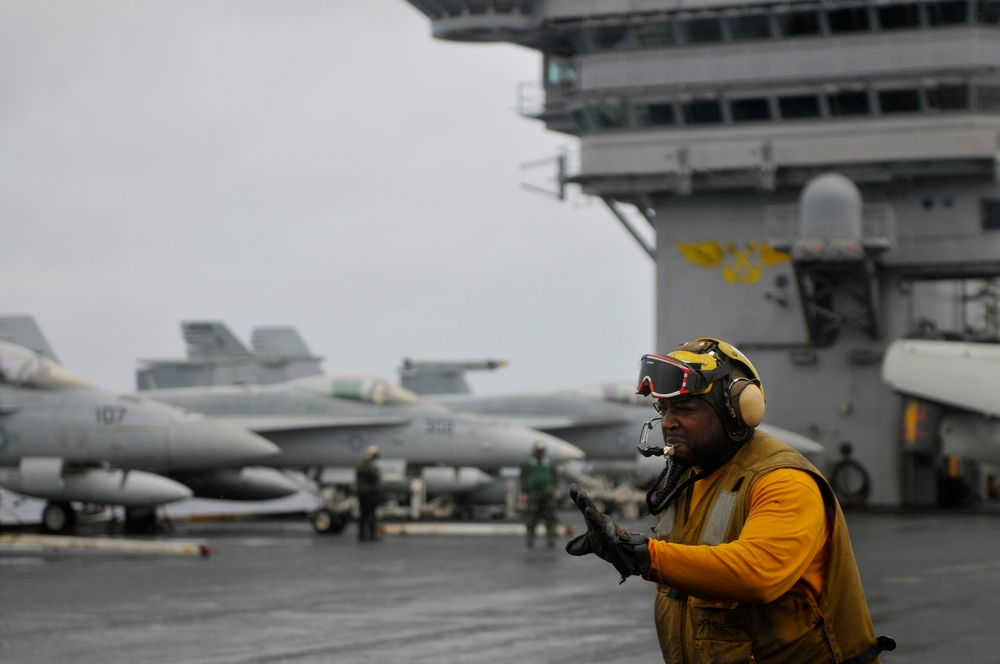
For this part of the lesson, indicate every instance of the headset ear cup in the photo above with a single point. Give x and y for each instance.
(748, 402)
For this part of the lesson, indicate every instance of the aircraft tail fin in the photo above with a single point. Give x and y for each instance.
(215, 356)
(211, 339)
(283, 345)
(24, 331)
(283, 340)
(442, 377)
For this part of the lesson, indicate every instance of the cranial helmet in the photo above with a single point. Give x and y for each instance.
(712, 370)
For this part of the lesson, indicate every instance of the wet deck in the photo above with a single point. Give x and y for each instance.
(272, 591)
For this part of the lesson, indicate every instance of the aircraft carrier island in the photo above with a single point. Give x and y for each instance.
(821, 179)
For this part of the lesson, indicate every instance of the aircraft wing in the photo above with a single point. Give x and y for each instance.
(262, 424)
(955, 373)
(553, 424)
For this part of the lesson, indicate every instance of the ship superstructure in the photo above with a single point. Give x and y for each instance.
(821, 178)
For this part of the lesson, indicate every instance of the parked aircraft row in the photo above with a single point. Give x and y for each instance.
(310, 425)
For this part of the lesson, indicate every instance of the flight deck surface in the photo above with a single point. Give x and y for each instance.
(272, 591)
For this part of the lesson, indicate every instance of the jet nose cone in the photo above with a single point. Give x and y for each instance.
(199, 441)
(559, 450)
(556, 449)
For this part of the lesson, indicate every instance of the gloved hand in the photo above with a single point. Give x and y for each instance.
(627, 551)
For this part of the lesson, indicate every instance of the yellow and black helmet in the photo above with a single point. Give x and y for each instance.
(712, 370)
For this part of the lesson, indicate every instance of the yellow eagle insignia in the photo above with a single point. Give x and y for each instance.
(739, 265)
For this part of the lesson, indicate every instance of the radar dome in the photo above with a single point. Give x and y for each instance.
(830, 206)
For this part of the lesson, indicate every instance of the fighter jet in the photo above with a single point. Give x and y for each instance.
(323, 422)
(66, 441)
(328, 421)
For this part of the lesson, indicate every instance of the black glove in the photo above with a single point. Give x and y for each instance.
(627, 551)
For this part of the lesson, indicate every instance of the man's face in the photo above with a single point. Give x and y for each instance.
(694, 429)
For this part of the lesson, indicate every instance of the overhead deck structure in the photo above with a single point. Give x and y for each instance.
(710, 118)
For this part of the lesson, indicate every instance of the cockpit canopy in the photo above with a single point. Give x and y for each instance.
(22, 367)
(376, 391)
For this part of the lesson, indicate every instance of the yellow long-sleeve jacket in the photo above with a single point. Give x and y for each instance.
(755, 562)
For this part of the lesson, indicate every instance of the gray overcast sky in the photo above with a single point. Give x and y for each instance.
(319, 163)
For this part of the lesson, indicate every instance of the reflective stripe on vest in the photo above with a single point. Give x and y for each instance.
(718, 522)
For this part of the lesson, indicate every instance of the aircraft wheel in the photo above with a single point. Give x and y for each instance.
(58, 517)
(327, 522)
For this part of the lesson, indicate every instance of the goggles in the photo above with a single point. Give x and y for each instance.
(664, 377)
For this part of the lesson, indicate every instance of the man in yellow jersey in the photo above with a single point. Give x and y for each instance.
(752, 558)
